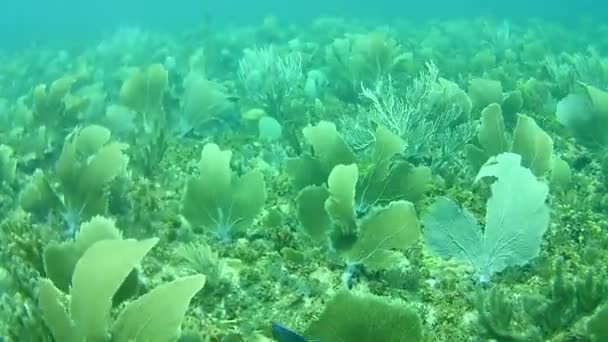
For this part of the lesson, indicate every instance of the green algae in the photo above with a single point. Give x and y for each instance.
(276, 269)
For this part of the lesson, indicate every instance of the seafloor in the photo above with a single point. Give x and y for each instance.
(345, 180)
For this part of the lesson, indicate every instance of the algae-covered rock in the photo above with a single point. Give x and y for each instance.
(362, 317)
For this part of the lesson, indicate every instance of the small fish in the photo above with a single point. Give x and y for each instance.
(282, 334)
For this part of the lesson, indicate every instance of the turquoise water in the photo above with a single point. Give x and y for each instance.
(337, 171)
(30, 21)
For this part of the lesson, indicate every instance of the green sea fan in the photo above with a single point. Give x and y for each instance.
(516, 220)
(60, 258)
(585, 113)
(88, 163)
(529, 141)
(84, 314)
(329, 149)
(219, 201)
(375, 241)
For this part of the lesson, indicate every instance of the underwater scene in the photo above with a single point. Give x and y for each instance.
(333, 178)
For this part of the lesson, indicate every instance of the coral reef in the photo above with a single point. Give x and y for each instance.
(313, 177)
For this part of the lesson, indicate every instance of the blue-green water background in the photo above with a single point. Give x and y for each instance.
(74, 22)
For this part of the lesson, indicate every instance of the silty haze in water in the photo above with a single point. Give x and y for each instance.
(312, 171)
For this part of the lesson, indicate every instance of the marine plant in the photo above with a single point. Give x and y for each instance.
(8, 165)
(54, 106)
(267, 77)
(354, 184)
(484, 92)
(516, 220)
(329, 150)
(200, 258)
(596, 326)
(60, 258)
(220, 202)
(143, 92)
(431, 116)
(204, 104)
(89, 161)
(364, 218)
(528, 140)
(358, 59)
(545, 315)
(387, 176)
(85, 314)
(585, 113)
(375, 241)
(40, 120)
(567, 68)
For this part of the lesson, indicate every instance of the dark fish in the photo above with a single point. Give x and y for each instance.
(282, 334)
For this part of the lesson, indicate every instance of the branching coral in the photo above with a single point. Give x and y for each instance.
(545, 316)
(426, 116)
(199, 258)
(268, 78)
(565, 69)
